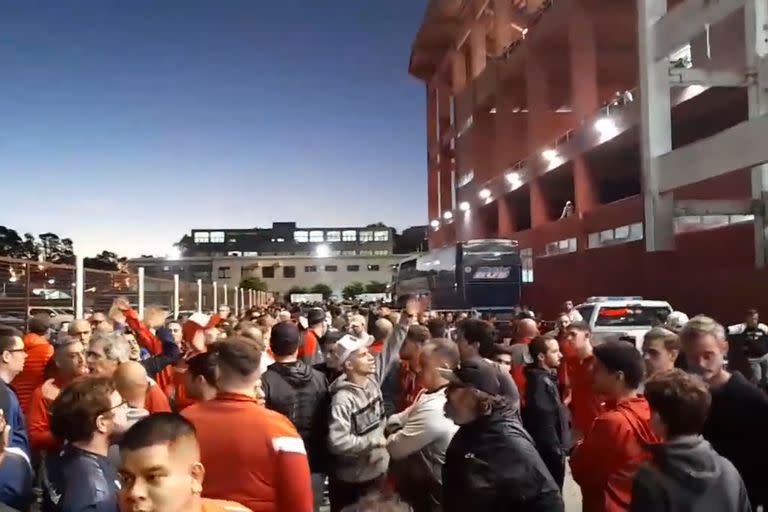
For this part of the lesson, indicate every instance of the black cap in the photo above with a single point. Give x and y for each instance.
(315, 316)
(476, 374)
(284, 332)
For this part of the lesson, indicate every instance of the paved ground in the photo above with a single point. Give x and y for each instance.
(571, 493)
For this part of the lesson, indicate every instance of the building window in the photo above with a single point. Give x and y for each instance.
(348, 253)
(353, 268)
(315, 236)
(225, 273)
(310, 268)
(202, 237)
(300, 236)
(333, 236)
(217, 237)
(366, 253)
(560, 247)
(373, 268)
(289, 271)
(250, 254)
(526, 257)
(381, 236)
(233, 240)
(268, 272)
(382, 252)
(619, 235)
(331, 268)
(349, 235)
(366, 236)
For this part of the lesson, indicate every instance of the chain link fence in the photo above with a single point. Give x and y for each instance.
(28, 288)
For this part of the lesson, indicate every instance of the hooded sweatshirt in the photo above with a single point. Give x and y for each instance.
(687, 475)
(356, 434)
(39, 351)
(606, 461)
(300, 393)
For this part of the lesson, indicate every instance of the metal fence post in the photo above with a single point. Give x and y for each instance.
(175, 296)
(79, 286)
(141, 292)
(215, 297)
(242, 299)
(226, 298)
(199, 295)
(237, 304)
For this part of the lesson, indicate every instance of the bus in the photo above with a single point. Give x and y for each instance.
(480, 275)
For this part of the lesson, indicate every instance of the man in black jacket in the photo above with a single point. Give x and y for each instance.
(738, 417)
(300, 393)
(491, 463)
(544, 415)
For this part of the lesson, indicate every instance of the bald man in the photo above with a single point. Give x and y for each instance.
(138, 390)
(164, 444)
(80, 330)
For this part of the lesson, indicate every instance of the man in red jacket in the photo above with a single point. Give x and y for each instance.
(252, 455)
(606, 461)
(39, 351)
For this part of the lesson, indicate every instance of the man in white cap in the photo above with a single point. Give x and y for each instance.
(356, 434)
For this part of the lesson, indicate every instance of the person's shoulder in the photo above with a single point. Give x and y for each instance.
(211, 505)
(739, 388)
(282, 433)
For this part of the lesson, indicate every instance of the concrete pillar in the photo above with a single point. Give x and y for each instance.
(585, 96)
(655, 129)
(507, 224)
(458, 71)
(585, 187)
(433, 208)
(502, 25)
(539, 211)
(539, 110)
(432, 135)
(477, 49)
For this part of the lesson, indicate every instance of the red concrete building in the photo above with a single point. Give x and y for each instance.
(647, 122)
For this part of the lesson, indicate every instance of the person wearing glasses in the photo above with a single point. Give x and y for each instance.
(15, 469)
(86, 417)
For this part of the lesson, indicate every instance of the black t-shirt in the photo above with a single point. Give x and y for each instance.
(75, 479)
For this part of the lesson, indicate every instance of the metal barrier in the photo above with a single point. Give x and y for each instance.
(28, 288)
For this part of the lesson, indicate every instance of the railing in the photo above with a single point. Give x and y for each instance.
(30, 287)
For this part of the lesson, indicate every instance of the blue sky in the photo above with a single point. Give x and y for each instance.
(123, 124)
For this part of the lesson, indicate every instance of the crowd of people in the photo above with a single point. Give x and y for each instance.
(291, 409)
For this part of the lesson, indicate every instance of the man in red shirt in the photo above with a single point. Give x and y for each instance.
(309, 351)
(585, 404)
(252, 455)
(39, 351)
(161, 469)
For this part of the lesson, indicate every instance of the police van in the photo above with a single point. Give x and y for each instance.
(623, 317)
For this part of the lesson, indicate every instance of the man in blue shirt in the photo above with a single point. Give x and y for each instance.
(15, 468)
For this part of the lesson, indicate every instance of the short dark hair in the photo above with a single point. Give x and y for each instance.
(8, 337)
(478, 331)
(579, 326)
(437, 327)
(418, 334)
(446, 349)
(158, 428)
(284, 339)
(619, 356)
(681, 400)
(39, 324)
(73, 414)
(538, 346)
(238, 356)
(204, 365)
(752, 312)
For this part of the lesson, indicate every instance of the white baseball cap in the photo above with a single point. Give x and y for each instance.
(347, 345)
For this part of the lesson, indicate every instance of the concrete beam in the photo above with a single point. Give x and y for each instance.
(715, 207)
(738, 147)
(687, 20)
(684, 77)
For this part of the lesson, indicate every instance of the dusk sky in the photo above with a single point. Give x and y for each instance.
(124, 124)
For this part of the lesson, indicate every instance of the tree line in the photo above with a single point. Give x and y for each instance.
(51, 248)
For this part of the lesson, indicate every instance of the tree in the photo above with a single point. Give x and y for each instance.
(294, 290)
(254, 283)
(185, 246)
(57, 250)
(377, 225)
(10, 243)
(30, 248)
(322, 289)
(376, 287)
(105, 261)
(352, 290)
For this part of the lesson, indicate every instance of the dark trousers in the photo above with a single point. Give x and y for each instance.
(343, 494)
(556, 465)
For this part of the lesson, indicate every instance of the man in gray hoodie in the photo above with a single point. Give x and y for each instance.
(686, 474)
(356, 434)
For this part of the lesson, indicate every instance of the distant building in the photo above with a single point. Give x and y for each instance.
(411, 240)
(286, 239)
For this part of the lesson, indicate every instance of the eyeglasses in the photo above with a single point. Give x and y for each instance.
(12, 350)
(115, 407)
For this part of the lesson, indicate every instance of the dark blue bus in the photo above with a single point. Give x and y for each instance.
(481, 275)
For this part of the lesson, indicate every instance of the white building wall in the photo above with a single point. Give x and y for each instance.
(231, 270)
